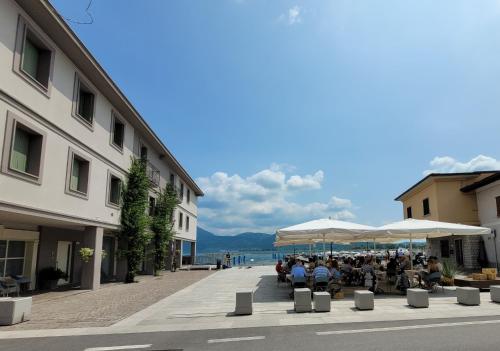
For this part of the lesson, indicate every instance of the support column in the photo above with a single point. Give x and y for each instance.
(193, 252)
(91, 271)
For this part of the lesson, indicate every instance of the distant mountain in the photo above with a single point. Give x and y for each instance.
(209, 242)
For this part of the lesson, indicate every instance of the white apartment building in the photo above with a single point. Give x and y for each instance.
(67, 135)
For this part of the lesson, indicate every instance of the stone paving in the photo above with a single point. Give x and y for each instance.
(103, 307)
(209, 304)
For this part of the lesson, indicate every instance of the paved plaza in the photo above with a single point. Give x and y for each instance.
(209, 304)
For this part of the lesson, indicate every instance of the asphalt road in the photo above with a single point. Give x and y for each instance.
(437, 334)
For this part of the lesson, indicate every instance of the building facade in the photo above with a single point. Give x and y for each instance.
(439, 197)
(67, 135)
(487, 192)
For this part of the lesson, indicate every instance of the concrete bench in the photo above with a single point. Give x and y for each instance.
(14, 310)
(417, 297)
(302, 300)
(468, 296)
(495, 293)
(363, 300)
(244, 302)
(322, 300)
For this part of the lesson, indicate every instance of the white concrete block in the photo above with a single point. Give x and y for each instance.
(495, 293)
(468, 296)
(363, 300)
(322, 301)
(244, 302)
(15, 310)
(302, 300)
(417, 297)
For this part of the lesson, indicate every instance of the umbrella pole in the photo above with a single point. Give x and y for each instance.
(324, 248)
(310, 250)
(374, 244)
(411, 253)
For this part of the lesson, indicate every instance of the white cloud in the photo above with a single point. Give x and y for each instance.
(263, 201)
(447, 164)
(306, 182)
(294, 15)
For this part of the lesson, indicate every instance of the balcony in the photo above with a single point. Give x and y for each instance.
(153, 174)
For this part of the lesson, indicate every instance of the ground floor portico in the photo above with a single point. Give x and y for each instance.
(32, 242)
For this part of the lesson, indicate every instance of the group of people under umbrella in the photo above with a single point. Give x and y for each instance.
(329, 273)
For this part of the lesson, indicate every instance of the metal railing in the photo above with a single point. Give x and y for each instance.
(153, 174)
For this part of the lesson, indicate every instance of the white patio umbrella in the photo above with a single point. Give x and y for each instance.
(322, 230)
(422, 229)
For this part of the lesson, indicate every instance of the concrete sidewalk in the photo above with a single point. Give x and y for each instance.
(209, 303)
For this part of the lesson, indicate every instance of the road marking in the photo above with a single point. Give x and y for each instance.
(125, 347)
(248, 338)
(421, 326)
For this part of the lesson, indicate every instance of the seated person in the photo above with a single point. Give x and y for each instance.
(298, 271)
(321, 273)
(335, 270)
(433, 272)
(392, 267)
(280, 269)
(404, 263)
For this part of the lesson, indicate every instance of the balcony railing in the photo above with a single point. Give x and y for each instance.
(153, 174)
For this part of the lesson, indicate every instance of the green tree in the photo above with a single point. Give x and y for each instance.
(134, 219)
(162, 225)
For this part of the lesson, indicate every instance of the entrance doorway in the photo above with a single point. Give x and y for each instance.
(107, 262)
(63, 261)
(459, 252)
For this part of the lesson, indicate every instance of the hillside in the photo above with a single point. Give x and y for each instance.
(209, 242)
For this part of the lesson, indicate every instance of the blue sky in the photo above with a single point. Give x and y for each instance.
(285, 111)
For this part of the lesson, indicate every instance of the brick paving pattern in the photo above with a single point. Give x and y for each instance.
(106, 306)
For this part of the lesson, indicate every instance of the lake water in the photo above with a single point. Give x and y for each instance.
(255, 258)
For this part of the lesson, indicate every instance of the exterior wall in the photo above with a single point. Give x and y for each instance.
(454, 205)
(415, 201)
(488, 217)
(471, 248)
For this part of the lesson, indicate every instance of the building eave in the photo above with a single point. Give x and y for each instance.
(439, 175)
(51, 22)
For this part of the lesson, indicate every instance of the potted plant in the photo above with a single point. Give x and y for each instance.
(86, 254)
(449, 272)
(49, 276)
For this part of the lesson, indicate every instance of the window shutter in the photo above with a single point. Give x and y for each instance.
(20, 150)
(75, 175)
(31, 56)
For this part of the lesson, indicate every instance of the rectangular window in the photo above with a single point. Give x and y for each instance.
(117, 132)
(144, 152)
(425, 204)
(78, 174)
(180, 220)
(172, 179)
(498, 205)
(12, 257)
(83, 102)
(187, 223)
(408, 212)
(33, 57)
(152, 205)
(188, 196)
(25, 145)
(115, 190)
(181, 191)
